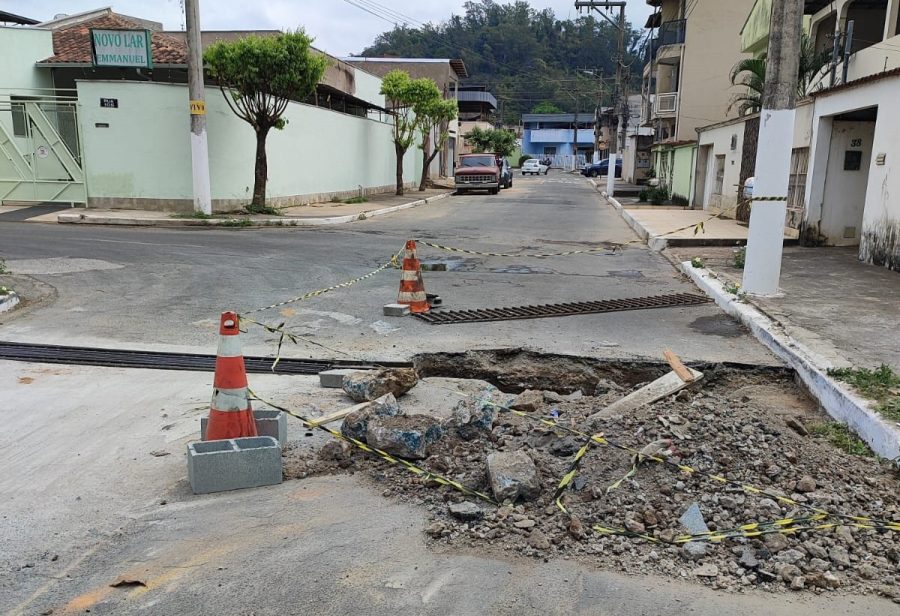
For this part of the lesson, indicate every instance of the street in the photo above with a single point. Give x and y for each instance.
(164, 289)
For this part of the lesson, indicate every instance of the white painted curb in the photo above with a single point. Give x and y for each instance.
(8, 301)
(91, 219)
(880, 434)
(656, 244)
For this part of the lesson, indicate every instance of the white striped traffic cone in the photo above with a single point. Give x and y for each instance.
(230, 415)
(412, 287)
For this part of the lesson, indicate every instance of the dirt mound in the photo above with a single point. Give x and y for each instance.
(734, 424)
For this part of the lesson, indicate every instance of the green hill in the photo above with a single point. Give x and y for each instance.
(523, 55)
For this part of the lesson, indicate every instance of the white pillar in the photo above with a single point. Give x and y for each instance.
(772, 177)
(199, 146)
(611, 175)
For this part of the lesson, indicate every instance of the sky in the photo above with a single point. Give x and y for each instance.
(338, 27)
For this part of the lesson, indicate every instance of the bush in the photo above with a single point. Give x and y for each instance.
(523, 158)
(679, 200)
(740, 257)
(654, 195)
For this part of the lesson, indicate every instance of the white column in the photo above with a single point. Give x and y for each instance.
(199, 146)
(765, 241)
(611, 175)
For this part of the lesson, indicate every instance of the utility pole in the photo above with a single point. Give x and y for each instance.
(575, 144)
(615, 144)
(199, 145)
(773, 157)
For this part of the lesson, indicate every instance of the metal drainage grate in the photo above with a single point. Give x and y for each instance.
(562, 310)
(119, 358)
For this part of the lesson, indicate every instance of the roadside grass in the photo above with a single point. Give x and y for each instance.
(881, 385)
(3, 268)
(841, 437)
(353, 200)
(739, 258)
(236, 222)
(697, 262)
(196, 215)
(268, 210)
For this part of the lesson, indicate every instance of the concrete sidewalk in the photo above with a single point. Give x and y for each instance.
(307, 215)
(834, 312)
(665, 226)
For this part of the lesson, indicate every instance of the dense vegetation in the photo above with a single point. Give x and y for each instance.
(526, 57)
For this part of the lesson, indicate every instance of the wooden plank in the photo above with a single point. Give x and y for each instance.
(678, 367)
(326, 419)
(665, 385)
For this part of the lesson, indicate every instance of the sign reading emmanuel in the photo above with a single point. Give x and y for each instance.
(121, 48)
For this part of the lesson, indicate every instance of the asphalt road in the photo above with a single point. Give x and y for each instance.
(163, 289)
(95, 491)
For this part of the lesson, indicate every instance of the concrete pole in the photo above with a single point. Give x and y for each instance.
(615, 146)
(199, 146)
(773, 157)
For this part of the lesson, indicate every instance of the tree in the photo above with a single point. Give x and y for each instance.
(404, 96)
(751, 74)
(258, 77)
(500, 141)
(433, 114)
(546, 107)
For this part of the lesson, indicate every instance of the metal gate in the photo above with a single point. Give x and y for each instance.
(40, 150)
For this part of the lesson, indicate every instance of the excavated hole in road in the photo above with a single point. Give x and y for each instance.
(737, 421)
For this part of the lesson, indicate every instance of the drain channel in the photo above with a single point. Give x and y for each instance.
(562, 310)
(117, 358)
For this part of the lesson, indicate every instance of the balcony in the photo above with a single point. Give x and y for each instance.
(670, 33)
(665, 104)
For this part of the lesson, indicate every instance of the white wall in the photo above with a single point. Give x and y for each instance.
(142, 159)
(721, 140)
(880, 241)
(20, 48)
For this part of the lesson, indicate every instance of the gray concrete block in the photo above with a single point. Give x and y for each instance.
(233, 464)
(268, 423)
(334, 379)
(396, 310)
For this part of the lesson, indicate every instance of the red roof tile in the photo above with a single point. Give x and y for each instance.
(72, 44)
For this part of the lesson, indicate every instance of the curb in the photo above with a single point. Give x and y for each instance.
(90, 219)
(843, 405)
(8, 301)
(656, 244)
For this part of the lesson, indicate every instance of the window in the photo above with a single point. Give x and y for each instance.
(719, 187)
(550, 151)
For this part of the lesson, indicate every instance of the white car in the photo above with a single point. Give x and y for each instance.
(533, 166)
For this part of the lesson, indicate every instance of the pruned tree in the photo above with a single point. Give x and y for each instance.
(496, 140)
(404, 96)
(258, 77)
(434, 117)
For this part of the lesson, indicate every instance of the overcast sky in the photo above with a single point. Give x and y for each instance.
(339, 28)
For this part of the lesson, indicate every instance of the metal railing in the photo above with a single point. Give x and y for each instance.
(672, 32)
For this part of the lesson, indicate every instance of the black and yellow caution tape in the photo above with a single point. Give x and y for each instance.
(514, 255)
(394, 262)
(420, 472)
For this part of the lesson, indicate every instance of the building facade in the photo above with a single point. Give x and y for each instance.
(566, 138)
(476, 110)
(693, 47)
(65, 123)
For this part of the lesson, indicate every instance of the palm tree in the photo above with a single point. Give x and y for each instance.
(750, 73)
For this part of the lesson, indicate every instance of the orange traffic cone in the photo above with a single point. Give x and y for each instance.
(230, 415)
(412, 287)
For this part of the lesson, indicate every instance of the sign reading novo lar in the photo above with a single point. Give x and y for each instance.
(121, 48)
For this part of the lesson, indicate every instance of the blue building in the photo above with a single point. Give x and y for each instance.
(553, 134)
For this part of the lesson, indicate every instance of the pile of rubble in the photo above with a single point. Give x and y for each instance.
(746, 426)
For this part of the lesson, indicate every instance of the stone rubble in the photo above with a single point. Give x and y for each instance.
(714, 427)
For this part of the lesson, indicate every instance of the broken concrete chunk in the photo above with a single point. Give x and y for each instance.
(797, 426)
(370, 385)
(538, 540)
(466, 510)
(407, 436)
(513, 476)
(529, 401)
(357, 423)
(708, 570)
(476, 414)
(334, 379)
(692, 520)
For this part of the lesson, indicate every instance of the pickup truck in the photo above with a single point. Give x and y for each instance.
(478, 172)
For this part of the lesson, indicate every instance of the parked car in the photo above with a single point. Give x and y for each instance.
(533, 166)
(601, 168)
(506, 175)
(478, 172)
